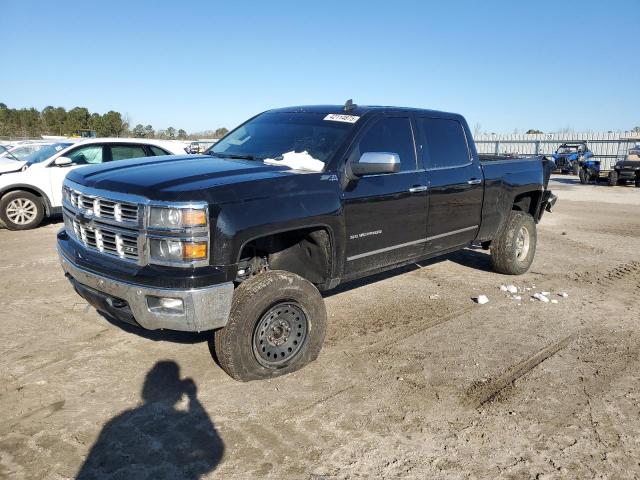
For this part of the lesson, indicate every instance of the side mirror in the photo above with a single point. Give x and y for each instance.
(372, 163)
(62, 162)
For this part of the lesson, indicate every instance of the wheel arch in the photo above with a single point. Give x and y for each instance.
(308, 251)
(31, 189)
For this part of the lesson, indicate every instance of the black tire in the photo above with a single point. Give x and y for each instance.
(576, 168)
(21, 210)
(637, 182)
(507, 253)
(584, 176)
(613, 178)
(272, 297)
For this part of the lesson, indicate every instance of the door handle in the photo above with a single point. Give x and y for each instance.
(418, 188)
(474, 181)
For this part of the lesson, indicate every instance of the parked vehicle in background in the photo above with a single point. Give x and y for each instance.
(31, 190)
(291, 203)
(627, 170)
(569, 156)
(18, 153)
(85, 133)
(200, 146)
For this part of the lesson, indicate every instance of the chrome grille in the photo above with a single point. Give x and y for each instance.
(104, 238)
(100, 207)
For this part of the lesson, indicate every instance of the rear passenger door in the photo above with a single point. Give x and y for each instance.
(385, 214)
(455, 183)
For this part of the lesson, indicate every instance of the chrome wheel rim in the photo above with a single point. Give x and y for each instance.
(21, 211)
(522, 243)
(280, 334)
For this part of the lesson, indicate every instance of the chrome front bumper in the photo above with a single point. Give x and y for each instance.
(204, 308)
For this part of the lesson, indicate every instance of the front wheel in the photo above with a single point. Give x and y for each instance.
(21, 210)
(276, 326)
(613, 178)
(576, 168)
(584, 176)
(513, 250)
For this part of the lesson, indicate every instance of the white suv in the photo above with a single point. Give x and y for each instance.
(32, 190)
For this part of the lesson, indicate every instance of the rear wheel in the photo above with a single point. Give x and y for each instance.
(637, 181)
(613, 178)
(512, 252)
(21, 210)
(276, 326)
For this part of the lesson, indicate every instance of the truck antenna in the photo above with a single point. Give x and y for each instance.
(349, 105)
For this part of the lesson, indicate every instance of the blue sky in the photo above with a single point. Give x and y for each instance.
(204, 64)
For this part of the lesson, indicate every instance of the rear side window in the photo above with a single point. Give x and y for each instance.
(123, 152)
(158, 151)
(446, 145)
(391, 135)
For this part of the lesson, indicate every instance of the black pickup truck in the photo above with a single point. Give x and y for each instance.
(243, 239)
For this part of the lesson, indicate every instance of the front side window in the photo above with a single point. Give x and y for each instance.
(285, 135)
(391, 135)
(89, 155)
(124, 152)
(445, 142)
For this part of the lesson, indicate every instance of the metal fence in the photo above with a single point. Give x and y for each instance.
(609, 148)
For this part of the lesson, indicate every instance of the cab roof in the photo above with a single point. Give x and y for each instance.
(359, 110)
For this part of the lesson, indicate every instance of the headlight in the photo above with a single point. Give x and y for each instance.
(177, 218)
(177, 251)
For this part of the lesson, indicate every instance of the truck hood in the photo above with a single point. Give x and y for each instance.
(173, 177)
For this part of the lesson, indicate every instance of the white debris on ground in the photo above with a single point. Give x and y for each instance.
(544, 297)
(482, 299)
(541, 297)
(435, 296)
(297, 161)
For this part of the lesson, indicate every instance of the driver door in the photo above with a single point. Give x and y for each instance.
(386, 214)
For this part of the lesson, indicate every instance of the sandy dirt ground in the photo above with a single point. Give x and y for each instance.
(415, 379)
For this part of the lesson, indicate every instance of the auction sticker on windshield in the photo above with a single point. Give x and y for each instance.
(337, 117)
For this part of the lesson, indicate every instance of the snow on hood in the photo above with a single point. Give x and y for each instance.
(297, 161)
(10, 165)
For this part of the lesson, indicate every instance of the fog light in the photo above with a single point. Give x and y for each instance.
(172, 306)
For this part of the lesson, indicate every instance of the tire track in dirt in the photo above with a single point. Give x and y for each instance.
(481, 393)
(627, 273)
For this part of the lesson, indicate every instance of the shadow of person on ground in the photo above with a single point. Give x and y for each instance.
(156, 440)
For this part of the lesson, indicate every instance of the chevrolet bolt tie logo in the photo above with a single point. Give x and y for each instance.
(85, 220)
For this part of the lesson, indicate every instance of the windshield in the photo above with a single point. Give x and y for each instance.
(45, 153)
(20, 153)
(309, 138)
